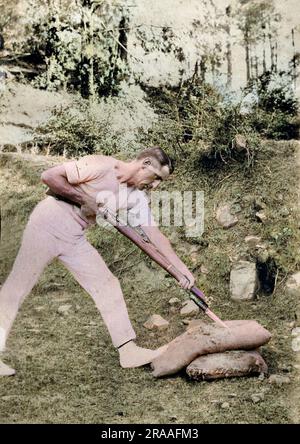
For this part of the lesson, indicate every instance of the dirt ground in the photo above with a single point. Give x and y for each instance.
(67, 370)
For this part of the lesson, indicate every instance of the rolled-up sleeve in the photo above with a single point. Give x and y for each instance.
(83, 170)
(72, 172)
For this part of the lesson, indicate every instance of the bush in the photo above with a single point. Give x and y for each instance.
(275, 115)
(76, 133)
(196, 124)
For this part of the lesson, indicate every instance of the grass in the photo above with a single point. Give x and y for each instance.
(67, 368)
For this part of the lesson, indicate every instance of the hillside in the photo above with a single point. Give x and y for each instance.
(82, 381)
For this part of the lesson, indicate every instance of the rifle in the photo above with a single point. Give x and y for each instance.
(140, 238)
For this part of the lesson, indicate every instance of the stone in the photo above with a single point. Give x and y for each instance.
(261, 216)
(225, 405)
(174, 238)
(204, 270)
(225, 218)
(279, 380)
(173, 309)
(296, 331)
(226, 365)
(64, 309)
(296, 344)
(257, 397)
(174, 301)
(240, 142)
(156, 322)
(206, 339)
(284, 212)
(189, 309)
(194, 257)
(285, 368)
(252, 241)
(293, 285)
(280, 197)
(243, 281)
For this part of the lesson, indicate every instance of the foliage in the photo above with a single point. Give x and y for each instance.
(81, 48)
(197, 123)
(75, 133)
(275, 115)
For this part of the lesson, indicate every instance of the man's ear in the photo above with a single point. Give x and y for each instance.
(147, 161)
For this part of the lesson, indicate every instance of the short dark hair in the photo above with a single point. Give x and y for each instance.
(160, 155)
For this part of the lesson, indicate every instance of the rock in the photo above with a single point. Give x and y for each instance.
(261, 216)
(257, 397)
(64, 309)
(293, 285)
(194, 257)
(243, 281)
(240, 142)
(279, 380)
(225, 218)
(206, 339)
(285, 368)
(252, 241)
(280, 197)
(284, 212)
(173, 309)
(174, 238)
(204, 270)
(225, 365)
(235, 208)
(174, 301)
(189, 309)
(296, 344)
(296, 331)
(156, 322)
(225, 405)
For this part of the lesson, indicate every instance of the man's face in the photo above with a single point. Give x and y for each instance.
(150, 174)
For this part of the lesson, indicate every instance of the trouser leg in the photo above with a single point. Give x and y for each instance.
(91, 272)
(37, 249)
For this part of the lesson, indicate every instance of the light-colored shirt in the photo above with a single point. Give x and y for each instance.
(96, 175)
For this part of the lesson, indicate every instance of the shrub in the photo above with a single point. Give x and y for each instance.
(275, 115)
(74, 133)
(196, 123)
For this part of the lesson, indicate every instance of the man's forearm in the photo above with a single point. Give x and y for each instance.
(165, 247)
(60, 186)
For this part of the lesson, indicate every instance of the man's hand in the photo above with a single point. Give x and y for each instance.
(164, 246)
(187, 280)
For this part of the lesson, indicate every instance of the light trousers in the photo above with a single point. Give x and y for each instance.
(53, 232)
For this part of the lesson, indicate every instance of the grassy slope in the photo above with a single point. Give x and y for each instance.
(67, 369)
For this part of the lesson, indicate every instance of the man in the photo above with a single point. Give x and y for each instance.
(56, 228)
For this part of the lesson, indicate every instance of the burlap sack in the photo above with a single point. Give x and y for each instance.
(206, 339)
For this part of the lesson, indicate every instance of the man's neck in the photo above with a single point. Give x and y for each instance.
(125, 171)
